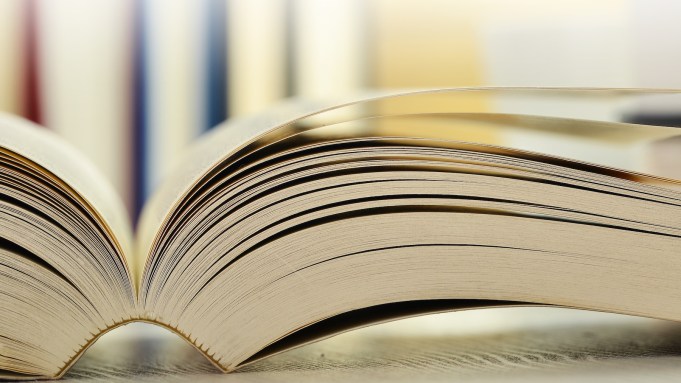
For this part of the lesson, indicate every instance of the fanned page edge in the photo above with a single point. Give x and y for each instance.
(243, 132)
(48, 151)
(172, 193)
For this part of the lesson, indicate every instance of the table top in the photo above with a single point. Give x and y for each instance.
(511, 344)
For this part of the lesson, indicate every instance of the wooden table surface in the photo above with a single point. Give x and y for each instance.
(512, 344)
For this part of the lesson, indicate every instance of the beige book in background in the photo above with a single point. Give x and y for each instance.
(285, 228)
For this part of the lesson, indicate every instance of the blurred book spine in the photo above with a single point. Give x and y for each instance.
(257, 54)
(84, 67)
(174, 70)
(140, 99)
(215, 78)
(431, 45)
(328, 47)
(14, 18)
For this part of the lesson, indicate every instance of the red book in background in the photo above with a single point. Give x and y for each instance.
(32, 104)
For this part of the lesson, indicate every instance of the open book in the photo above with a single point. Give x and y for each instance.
(285, 228)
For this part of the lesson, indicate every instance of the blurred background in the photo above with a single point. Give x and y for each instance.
(132, 82)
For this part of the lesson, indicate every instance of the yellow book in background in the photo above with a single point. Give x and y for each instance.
(12, 55)
(256, 55)
(425, 46)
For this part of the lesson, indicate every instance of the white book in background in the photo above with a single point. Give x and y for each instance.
(174, 33)
(657, 36)
(329, 47)
(12, 28)
(544, 48)
(85, 73)
(256, 54)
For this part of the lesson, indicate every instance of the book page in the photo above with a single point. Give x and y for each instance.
(200, 158)
(295, 116)
(74, 171)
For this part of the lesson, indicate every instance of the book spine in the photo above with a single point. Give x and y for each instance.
(139, 104)
(215, 77)
(173, 71)
(15, 36)
(84, 68)
(256, 48)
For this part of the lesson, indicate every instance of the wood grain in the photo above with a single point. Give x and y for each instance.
(621, 349)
